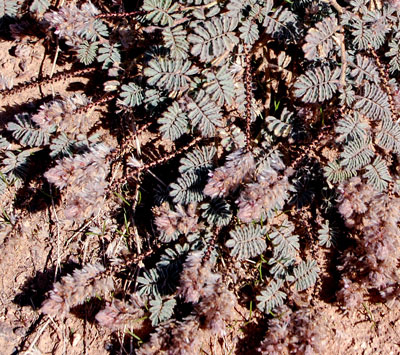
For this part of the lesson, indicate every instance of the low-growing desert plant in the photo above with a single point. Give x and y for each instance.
(273, 122)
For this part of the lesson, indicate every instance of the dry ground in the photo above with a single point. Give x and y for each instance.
(40, 247)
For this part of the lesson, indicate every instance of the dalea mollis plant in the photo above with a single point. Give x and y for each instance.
(283, 122)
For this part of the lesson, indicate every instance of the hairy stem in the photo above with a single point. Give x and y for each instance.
(247, 83)
(121, 14)
(46, 80)
(99, 102)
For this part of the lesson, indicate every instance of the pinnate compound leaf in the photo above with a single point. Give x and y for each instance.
(171, 75)
(9, 8)
(336, 173)
(174, 255)
(175, 40)
(204, 114)
(94, 30)
(213, 37)
(318, 84)
(161, 12)
(39, 6)
(148, 283)
(24, 130)
(161, 310)
(394, 52)
(249, 32)
(319, 40)
(285, 243)
(15, 166)
(199, 160)
(305, 274)
(131, 95)
(326, 235)
(373, 103)
(174, 122)
(362, 34)
(188, 188)
(374, 28)
(217, 212)
(87, 52)
(388, 137)
(351, 127)
(357, 154)
(109, 54)
(153, 98)
(271, 297)
(62, 146)
(220, 86)
(378, 174)
(364, 68)
(280, 127)
(278, 22)
(247, 241)
(4, 143)
(280, 267)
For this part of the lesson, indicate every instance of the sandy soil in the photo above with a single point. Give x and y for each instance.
(40, 247)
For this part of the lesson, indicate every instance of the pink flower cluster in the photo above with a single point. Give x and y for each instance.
(199, 285)
(293, 333)
(181, 220)
(375, 217)
(196, 278)
(238, 167)
(214, 309)
(118, 314)
(74, 289)
(62, 113)
(85, 176)
(260, 198)
(71, 22)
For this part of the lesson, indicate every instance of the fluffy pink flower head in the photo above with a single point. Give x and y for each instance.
(238, 167)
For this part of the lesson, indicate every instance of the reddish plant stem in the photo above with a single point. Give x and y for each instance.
(248, 88)
(311, 149)
(160, 161)
(126, 146)
(121, 14)
(99, 102)
(46, 80)
(139, 131)
(135, 259)
(211, 246)
(169, 156)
